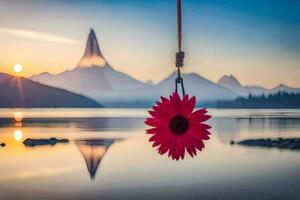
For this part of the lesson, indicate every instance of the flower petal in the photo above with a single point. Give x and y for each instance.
(180, 147)
(163, 149)
(200, 119)
(164, 99)
(185, 100)
(172, 146)
(199, 134)
(189, 106)
(156, 143)
(154, 114)
(197, 113)
(176, 102)
(156, 130)
(156, 123)
(199, 126)
(165, 146)
(189, 146)
(198, 144)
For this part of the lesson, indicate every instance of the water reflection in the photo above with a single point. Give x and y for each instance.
(89, 123)
(227, 129)
(93, 151)
(18, 135)
(18, 116)
(60, 172)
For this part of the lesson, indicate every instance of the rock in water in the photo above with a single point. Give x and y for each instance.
(37, 142)
(279, 143)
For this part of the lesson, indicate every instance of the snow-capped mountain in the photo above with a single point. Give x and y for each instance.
(198, 86)
(92, 76)
(231, 83)
(195, 85)
(92, 56)
(89, 81)
(95, 78)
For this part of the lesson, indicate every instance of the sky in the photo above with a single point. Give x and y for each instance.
(256, 41)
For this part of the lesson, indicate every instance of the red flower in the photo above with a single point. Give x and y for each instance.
(176, 127)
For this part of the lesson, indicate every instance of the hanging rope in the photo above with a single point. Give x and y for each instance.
(179, 54)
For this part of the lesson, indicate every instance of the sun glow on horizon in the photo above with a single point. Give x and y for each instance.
(18, 68)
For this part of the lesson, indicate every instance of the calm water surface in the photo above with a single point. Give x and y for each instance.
(108, 157)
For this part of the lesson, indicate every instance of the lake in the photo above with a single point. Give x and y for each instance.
(109, 157)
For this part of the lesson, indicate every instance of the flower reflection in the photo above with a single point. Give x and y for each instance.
(18, 135)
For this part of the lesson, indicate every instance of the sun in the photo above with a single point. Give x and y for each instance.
(18, 68)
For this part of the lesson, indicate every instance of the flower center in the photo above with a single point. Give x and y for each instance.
(179, 124)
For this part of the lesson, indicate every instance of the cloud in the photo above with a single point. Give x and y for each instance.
(48, 37)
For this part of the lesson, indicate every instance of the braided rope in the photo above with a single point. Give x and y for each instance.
(180, 54)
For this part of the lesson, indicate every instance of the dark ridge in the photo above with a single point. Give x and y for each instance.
(278, 100)
(19, 92)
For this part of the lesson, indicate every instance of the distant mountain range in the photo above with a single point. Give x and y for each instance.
(271, 101)
(94, 83)
(231, 83)
(18, 92)
(196, 85)
(95, 78)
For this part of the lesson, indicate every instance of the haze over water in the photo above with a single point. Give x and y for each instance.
(90, 167)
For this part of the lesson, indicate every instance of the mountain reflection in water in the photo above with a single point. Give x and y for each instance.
(93, 151)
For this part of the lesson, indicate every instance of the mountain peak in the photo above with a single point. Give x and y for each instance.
(229, 80)
(282, 86)
(92, 56)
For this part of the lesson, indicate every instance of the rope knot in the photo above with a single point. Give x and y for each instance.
(179, 80)
(179, 59)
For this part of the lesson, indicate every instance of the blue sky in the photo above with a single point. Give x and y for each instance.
(257, 41)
